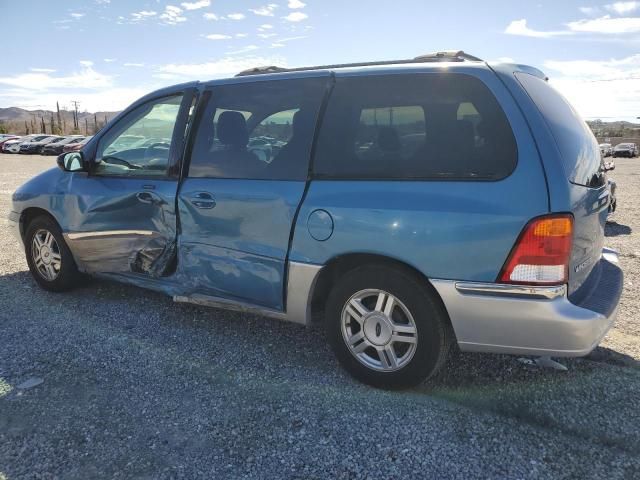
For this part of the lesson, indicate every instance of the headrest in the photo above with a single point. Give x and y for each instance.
(302, 121)
(232, 129)
(388, 139)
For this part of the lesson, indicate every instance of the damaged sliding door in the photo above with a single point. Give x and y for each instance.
(122, 212)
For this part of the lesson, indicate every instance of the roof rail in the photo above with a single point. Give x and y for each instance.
(444, 56)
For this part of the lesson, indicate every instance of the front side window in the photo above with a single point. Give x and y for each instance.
(139, 144)
(259, 130)
(414, 126)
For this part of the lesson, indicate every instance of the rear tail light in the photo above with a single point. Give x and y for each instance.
(541, 254)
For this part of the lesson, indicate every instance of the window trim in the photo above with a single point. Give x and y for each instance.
(177, 148)
(313, 175)
(207, 92)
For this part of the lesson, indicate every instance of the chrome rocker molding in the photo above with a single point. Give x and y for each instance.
(500, 289)
(301, 281)
(107, 233)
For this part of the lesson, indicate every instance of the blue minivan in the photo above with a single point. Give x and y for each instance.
(406, 205)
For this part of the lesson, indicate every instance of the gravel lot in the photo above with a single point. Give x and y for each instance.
(135, 386)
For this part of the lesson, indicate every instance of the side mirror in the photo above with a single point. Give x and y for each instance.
(71, 162)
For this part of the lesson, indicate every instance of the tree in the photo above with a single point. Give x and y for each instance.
(53, 125)
(59, 122)
(26, 128)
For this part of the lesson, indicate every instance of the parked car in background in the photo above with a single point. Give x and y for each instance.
(55, 148)
(625, 150)
(485, 229)
(36, 146)
(7, 138)
(13, 146)
(74, 147)
(606, 149)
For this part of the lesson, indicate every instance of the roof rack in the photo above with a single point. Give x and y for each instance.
(444, 56)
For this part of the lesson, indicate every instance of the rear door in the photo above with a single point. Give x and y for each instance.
(122, 216)
(581, 175)
(247, 175)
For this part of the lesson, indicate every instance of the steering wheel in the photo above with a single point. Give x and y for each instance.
(155, 146)
(120, 161)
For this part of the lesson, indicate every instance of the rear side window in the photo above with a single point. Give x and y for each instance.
(260, 130)
(414, 126)
(578, 147)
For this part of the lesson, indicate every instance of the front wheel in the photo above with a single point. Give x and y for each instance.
(48, 256)
(386, 326)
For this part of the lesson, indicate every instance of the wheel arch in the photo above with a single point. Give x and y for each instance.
(27, 216)
(341, 264)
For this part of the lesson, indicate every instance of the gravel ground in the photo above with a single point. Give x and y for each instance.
(135, 386)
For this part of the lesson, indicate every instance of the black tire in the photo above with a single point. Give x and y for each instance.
(434, 333)
(67, 276)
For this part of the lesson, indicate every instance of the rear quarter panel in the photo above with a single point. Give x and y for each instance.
(460, 230)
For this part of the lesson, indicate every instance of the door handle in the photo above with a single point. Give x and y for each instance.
(202, 200)
(148, 197)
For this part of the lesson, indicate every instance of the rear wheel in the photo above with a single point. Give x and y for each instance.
(48, 256)
(387, 327)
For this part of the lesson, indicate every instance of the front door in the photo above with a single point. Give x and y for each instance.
(122, 213)
(246, 178)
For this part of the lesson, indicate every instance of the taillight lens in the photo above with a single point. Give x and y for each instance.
(541, 254)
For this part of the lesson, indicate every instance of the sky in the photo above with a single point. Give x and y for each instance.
(107, 53)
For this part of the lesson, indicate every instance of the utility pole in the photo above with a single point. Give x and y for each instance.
(76, 104)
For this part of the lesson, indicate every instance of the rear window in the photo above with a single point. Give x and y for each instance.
(412, 127)
(578, 147)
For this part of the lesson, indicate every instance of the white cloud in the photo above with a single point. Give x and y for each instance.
(210, 16)
(599, 88)
(277, 45)
(172, 15)
(607, 25)
(265, 26)
(86, 78)
(519, 27)
(266, 11)
(623, 8)
(266, 35)
(241, 35)
(236, 16)
(221, 68)
(136, 16)
(195, 5)
(109, 60)
(42, 70)
(296, 4)
(217, 36)
(77, 15)
(129, 64)
(296, 17)
(86, 63)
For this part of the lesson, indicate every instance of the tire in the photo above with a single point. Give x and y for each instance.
(415, 312)
(52, 266)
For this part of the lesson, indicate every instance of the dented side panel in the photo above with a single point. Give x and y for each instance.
(110, 229)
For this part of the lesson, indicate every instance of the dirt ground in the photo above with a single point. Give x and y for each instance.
(135, 386)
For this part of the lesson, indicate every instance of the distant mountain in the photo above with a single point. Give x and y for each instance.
(13, 119)
(15, 114)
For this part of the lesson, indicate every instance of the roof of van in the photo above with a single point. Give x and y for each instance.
(449, 59)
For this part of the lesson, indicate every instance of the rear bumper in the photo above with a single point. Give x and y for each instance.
(532, 321)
